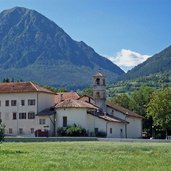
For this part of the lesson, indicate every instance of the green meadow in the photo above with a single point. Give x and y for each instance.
(100, 156)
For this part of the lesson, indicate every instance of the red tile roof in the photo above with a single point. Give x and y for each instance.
(125, 111)
(22, 87)
(87, 99)
(112, 118)
(66, 95)
(107, 117)
(71, 103)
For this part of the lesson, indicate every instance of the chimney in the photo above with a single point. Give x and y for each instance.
(61, 97)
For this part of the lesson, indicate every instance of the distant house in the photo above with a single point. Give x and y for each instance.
(26, 107)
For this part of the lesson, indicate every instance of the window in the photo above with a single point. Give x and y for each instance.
(64, 121)
(14, 115)
(104, 82)
(6, 102)
(98, 81)
(110, 130)
(104, 95)
(96, 130)
(22, 103)
(42, 121)
(97, 94)
(121, 133)
(10, 130)
(31, 115)
(20, 130)
(31, 102)
(13, 102)
(22, 115)
(32, 130)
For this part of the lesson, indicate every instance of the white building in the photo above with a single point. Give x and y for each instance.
(26, 107)
(96, 116)
(20, 103)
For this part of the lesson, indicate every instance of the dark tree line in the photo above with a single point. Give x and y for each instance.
(8, 80)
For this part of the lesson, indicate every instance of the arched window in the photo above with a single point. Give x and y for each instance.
(98, 81)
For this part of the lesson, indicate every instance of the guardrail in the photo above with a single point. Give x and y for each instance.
(55, 139)
(46, 139)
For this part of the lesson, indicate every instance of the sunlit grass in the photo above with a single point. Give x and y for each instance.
(85, 156)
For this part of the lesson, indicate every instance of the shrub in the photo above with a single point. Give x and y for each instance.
(61, 131)
(101, 134)
(72, 130)
(2, 131)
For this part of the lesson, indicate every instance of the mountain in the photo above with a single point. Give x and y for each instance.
(160, 62)
(32, 47)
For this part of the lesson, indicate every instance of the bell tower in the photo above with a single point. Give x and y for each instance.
(99, 91)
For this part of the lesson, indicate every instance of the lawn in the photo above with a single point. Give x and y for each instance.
(102, 156)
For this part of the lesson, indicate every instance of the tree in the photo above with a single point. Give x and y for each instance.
(159, 108)
(87, 91)
(138, 103)
(2, 131)
(122, 100)
(6, 80)
(54, 89)
(140, 99)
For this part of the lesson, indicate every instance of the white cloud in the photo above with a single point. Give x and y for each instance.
(127, 59)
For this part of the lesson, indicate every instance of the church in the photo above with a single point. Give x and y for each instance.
(95, 114)
(26, 108)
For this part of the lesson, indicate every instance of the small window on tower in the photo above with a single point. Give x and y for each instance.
(98, 81)
(97, 94)
(104, 82)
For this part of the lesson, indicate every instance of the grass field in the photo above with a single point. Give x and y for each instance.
(101, 156)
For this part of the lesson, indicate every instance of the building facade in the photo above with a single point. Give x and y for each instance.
(115, 121)
(19, 105)
(26, 108)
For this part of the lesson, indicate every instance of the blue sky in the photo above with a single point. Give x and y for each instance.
(125, 31)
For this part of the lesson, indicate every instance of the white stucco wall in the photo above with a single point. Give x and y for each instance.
(94, 122)
(118, 130)
(74, 116)
(116, 113)
(89, 122)
(26, 124)
(45, 100)
(49, 120)
(104, 126)
(134, 128)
